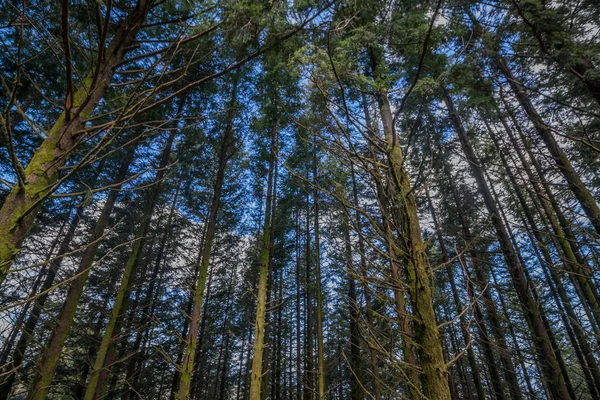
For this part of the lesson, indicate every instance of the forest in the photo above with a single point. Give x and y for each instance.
(300, 199)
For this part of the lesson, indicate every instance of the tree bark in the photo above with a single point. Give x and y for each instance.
(267, 372)
(434, 374)
(356, 389)
(149, 301)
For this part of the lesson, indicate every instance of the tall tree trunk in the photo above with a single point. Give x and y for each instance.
(267, 372)
(364, 274)
(319, 290)
(105, 356)
(238, 390)
(309, 333)
(462, 375)
(79, 391)
(259, 327)
(149, 301)
(278, 355)
(404, 318)
(434, 374)
(356, 389)
(191, 341)
(252, 304)
(186, 321)
(299, 375)
(225, 368)
(49, 360)
(222, 369)
(199, 368)
(387, 203)
(530, 307)
(457, 303)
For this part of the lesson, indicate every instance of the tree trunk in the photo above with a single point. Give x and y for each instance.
(299, 375)
(309, 333)
(457, 303)
(267, 372)
(149, 300)
(319, 327)
(105, 356)
(434, 374)
(364, 275)
(224, 352)
(191, 341)
(543, 346)
(356, 389)
(49, 360)
(259, 327)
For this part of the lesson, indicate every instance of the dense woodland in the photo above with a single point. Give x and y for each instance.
(300, 199)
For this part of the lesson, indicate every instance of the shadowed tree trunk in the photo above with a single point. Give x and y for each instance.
(267, 371)
(363, 261)
(544, 349)
(106, 354)
(191, 341)
(356, 390)
(309, 331)
(54, 347)
(150, 300)
(299, 375)
(457, 303)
